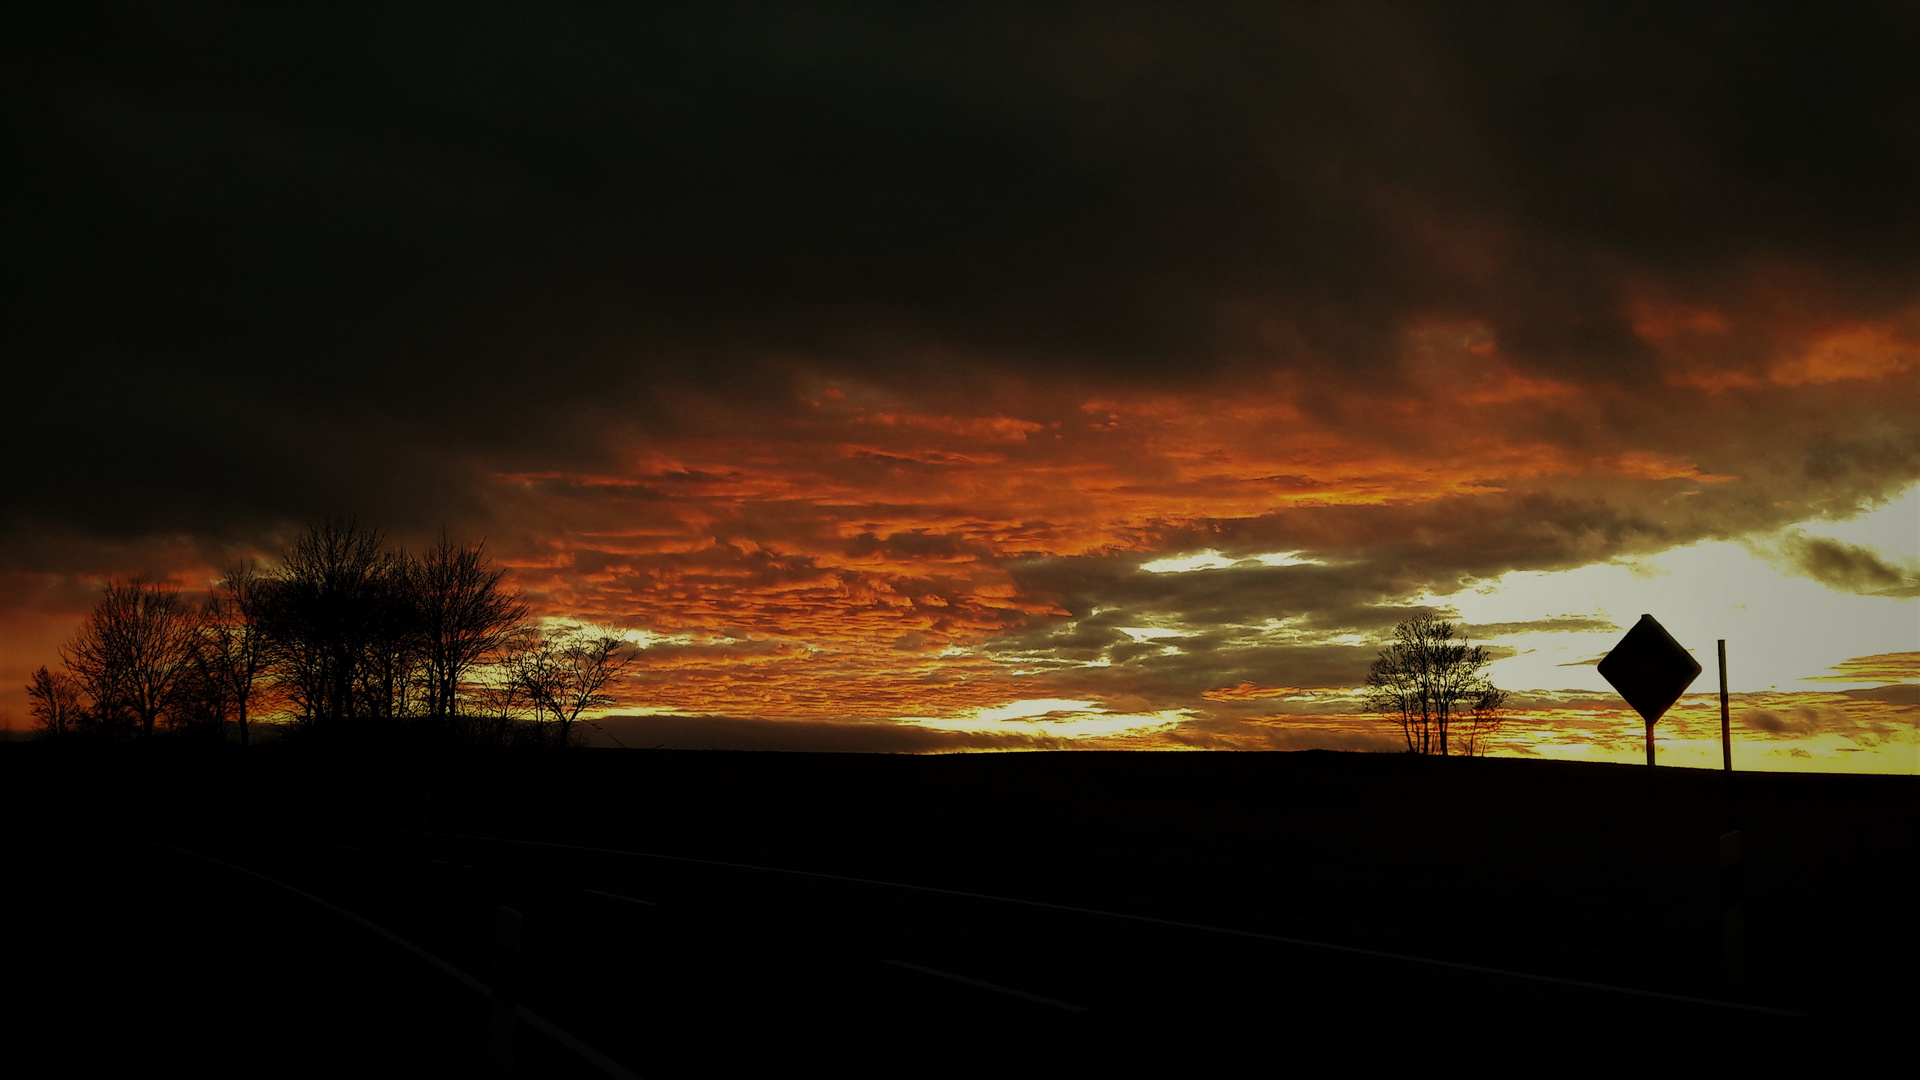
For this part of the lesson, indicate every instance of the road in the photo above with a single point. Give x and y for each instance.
(133, 951)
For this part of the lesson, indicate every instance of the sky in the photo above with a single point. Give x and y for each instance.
(1006, 376)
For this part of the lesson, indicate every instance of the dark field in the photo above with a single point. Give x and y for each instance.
(126, 952)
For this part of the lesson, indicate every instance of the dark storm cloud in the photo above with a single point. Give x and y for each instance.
(1373, 557)
(1845, 567)
(1281, 625)
(1221, 618)
(271, 262)
(1813, 719)
(1897, 694)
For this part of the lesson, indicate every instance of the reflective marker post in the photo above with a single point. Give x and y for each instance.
(506, 992)
(1726, 730)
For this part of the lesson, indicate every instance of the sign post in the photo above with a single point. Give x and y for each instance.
(1651, 670)
(1726, 729)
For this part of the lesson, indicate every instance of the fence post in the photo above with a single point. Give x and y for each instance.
(506, 992)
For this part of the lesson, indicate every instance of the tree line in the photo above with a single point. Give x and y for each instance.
(346, 634)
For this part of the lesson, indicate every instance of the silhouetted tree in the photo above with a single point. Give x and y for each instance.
(202, 703)
(323, 616)
(1427, 678)
(135, 651)
(389, 672)
(503, 699)
(569, 673)
(344, 630)
(233, 642)
(56, 703)
(1484, 718)
(464, 616)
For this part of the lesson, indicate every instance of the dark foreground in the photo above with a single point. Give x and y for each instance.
(1128, 913)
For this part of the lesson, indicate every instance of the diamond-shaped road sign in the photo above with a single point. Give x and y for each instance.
(1651, 670)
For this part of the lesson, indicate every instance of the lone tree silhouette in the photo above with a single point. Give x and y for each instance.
(135, 652)
(55, 701)
(566, 674)
(1432, 685)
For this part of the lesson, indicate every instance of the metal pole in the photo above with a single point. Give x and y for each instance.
(506, 992)
(1649, 743)
(1726, 730)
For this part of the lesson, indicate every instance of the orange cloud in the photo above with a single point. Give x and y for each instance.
(1660, 322)
(1244, 691)
(1857, 352)
(852, 554)
(1788, 344)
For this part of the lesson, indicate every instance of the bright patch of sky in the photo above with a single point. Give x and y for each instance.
(1022, 710)
(1052, 717)
(1213, 560)
(1148, 633)
(1782, 630)
(645, 639)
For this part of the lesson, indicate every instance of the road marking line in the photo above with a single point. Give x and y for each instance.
(996, 987)
(617, 896)
(540, 1023)
(1256, 935)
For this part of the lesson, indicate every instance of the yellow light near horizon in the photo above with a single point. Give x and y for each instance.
(1783, 631)
(1213, 560)
(1144, 634)
(1186, 564)
(1021, 710)
(1056, 718)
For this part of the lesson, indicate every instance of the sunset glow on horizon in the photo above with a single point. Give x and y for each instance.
(947, 634)
(1010, 380)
